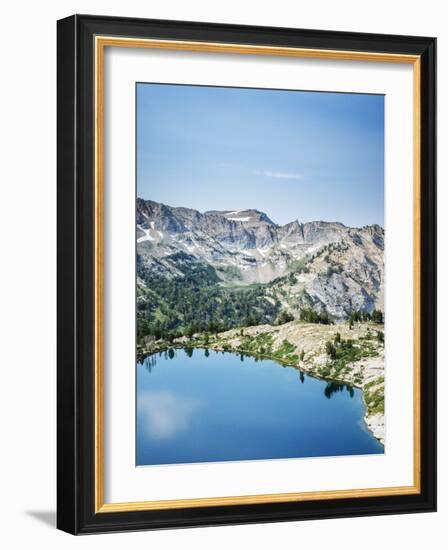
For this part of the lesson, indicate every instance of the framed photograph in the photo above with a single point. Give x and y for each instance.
(246, 274)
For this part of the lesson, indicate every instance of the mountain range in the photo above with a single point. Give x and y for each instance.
(321, 265)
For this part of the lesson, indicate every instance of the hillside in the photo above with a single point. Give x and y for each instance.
(221, 269)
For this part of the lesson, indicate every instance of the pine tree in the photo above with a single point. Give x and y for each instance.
(330, 349)
(377, 316)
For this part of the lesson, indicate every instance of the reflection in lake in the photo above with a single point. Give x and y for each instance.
(197, 406)
(333, 387)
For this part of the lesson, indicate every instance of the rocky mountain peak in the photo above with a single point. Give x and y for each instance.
(249, 216)
(328, 259)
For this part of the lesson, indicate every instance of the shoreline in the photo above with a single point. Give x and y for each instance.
(366, 374)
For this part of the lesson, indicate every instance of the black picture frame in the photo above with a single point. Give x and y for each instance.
(76, 270)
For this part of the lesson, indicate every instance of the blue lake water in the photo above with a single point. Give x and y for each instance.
(202, 406)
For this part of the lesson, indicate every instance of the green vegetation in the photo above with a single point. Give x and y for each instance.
(311, 316)
(377, 316)
(360, 316)
(261, 345)
(375, 382)
(286, 348)
(374, 395)
(230, 273)
(284, 317)
(342, 353)
(330, 350)
(196, 302)
(332, 270)
(300, 265)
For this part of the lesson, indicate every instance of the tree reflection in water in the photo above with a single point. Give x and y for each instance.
(150, 362)
(333, 387)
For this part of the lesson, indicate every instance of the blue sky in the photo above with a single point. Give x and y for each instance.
(294, 155)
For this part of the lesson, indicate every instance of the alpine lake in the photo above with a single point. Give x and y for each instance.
(200, 405)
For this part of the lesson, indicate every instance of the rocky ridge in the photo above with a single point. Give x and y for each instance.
(321, 265)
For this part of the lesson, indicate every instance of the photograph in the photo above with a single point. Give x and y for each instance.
(260, 319)
(246, 263)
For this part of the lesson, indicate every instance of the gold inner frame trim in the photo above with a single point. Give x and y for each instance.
(101, 42)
